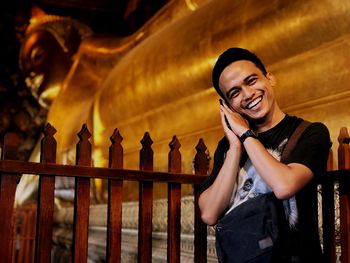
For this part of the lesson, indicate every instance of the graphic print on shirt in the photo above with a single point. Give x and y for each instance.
(250, 184)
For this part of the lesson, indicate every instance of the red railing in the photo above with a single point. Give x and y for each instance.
(47, 169)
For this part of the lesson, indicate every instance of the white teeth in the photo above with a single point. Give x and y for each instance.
(254, 103)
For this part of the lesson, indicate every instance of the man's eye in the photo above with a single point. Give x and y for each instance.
(233, 94)
(251, 81)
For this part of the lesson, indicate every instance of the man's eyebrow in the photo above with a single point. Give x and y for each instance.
(246, 79)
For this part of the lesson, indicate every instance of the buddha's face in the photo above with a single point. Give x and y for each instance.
(44, 64)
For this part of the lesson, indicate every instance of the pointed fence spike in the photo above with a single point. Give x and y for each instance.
(49, 130)
(343, 135)
(174, 144)
(201, 160)
(343, 149)
(146, 140)
(201, 147)
(83, 148)
(174, 156)
(84, 133)
(146, 153)
(116, 150)
(48, 145)
(116, 137)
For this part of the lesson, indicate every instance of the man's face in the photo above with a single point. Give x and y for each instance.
(248, 91)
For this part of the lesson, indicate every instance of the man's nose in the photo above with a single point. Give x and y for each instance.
(248, 92)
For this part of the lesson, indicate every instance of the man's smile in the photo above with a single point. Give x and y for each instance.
(253, 103)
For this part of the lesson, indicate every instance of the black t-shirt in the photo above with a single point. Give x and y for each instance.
(311, 150)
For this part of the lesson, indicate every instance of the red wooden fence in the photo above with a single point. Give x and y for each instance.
(47, 169)
(10, 170)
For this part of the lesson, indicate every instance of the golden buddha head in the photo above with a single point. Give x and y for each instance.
(46, 54)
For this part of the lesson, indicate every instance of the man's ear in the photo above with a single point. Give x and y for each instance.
(271, 78)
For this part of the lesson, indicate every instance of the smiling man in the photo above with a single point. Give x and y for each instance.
(248, 172)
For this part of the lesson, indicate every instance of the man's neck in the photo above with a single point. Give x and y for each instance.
(270, 121)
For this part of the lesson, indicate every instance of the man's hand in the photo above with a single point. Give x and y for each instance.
(238, 124)
(229, 133)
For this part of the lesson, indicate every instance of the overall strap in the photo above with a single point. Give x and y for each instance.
(292, 141)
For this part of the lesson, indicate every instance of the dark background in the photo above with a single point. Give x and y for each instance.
(19, 111)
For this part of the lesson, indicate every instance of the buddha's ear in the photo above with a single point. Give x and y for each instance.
(72, 39)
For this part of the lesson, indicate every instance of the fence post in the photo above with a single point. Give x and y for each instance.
(145, 203)
(8, 183)
(328, 214)
(201, 165)
(45, 207)
(344, 194)
(115, 199)
(81, 200)
(174, 204)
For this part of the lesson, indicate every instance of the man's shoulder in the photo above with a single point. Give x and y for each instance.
(316, 128)
(311, 126)
(298, 119)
